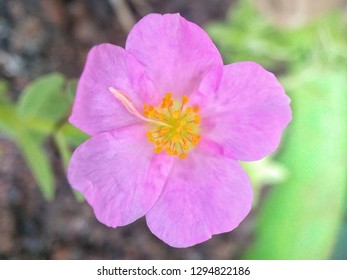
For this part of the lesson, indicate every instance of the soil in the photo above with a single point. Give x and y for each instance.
(39, 37)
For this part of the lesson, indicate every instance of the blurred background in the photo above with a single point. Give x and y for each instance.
(300, 207)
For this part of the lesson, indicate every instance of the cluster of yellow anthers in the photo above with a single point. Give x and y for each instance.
(176, 126)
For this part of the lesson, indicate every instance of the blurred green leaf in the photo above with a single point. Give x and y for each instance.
(40, 113)
(300, 218)
(63, 148)
(264, 172)
(41, 126)
(10, 124)
(4, 98)
(68, 135)
(79, 196)
(247, 35)
(72, 135)
(44, 99)
(38, 162)
(340, 251)
(71, 88)
(65, 154)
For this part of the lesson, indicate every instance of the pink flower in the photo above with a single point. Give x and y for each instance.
(168, 124)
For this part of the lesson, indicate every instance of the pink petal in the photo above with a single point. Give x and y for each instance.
(245, 117)
(204, 195)
(176, 52)
(96, 109)
(119, 174)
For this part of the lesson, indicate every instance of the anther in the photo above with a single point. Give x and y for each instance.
(184, 99)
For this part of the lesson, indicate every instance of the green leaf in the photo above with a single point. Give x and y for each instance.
(300, 218)
(264, 172)
(10, 124)
(72, 135)
(4, 98)
(44, 99)
(71, 88)
(65, 155)
(63, 148)
(38, 162)
(247, 35)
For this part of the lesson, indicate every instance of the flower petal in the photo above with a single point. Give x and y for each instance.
(246, 115)
(119, 174)
(95, 108)
(176, 52)
(203, 195)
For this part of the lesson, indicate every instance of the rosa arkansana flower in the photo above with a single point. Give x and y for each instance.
(168, 124)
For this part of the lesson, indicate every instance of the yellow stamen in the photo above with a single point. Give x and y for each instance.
(197, 119)
(184, 99)
(195, 109)
(176, 114)
(174, 126)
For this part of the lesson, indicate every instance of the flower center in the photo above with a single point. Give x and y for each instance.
(174, 126)
(181, 132)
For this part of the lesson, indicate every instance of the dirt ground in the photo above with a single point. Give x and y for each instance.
(38, 37)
